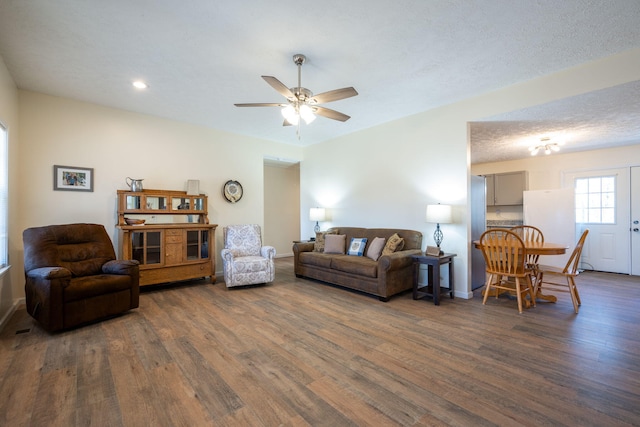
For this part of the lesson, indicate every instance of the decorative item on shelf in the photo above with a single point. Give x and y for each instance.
(546, 146)
(317, 214)
(232, 191)
(133, 221)
(193, 187)
(134, 184)
(439, 214)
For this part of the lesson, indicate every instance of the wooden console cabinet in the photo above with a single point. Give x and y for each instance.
(176, 241)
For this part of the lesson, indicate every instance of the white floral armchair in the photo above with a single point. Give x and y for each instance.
(245, 260)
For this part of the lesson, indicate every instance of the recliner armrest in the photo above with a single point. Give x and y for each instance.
(120, 266)
(48, 273)
(226, 255)
(268, 252)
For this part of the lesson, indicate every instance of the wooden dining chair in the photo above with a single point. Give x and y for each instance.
(505, 257)
(529, 233)
(563, 280)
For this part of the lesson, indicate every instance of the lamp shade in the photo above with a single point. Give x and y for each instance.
(317, 214)
(440, 214)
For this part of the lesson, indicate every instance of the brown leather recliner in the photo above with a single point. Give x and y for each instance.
(73, 277)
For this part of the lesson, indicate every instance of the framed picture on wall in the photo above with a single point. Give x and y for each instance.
(72, 178)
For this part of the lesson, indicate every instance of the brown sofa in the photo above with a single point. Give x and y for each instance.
(72, 276)
(389, 275)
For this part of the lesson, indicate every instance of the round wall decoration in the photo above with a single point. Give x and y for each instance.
(232, 191)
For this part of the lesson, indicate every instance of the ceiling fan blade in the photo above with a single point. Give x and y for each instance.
(331, 114)
(263, 104)
(279, 86)
(335, 95)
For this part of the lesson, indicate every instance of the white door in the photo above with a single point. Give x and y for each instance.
(635, 221)
(607, 246)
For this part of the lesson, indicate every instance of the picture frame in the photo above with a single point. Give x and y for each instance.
(72, 178)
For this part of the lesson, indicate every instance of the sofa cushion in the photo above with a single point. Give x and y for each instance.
(356, 246)
(361, 266)
(334, 243)
(318, 245)
(315, 258)
(395, 243)
(375, 248)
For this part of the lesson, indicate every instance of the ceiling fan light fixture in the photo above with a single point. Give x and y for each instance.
(307, 114)
(291, 115)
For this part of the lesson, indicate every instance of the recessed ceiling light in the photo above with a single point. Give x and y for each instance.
(139, 84)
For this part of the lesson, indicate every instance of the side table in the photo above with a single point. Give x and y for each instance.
(432, 289)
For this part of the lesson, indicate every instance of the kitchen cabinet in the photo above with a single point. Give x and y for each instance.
(506, 189)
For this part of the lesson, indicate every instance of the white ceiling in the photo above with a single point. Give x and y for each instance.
(403, 57)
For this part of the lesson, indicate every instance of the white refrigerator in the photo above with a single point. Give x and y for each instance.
(553, 212)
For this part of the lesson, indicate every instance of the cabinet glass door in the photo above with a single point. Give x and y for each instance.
(197, 244)
(133, 202)
(156, 202)
(146, 247)
(179, 203)
(198, 203)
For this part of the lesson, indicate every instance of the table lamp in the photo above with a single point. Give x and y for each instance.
(317, 214)
(439, 214)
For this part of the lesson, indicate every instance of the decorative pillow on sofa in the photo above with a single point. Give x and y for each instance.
(318, 245)
(375, 248)
(394, 244)
(334, 243)
(356, 246)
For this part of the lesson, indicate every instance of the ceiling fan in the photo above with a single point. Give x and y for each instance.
(301, 102)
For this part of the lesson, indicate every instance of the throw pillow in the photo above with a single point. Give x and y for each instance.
(356, 246)
(318, 245)
(375, 248)
(334, 243)
(394, 244)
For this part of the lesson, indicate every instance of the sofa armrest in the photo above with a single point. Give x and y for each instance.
(122, 267)
(397, 260)
(302, 247)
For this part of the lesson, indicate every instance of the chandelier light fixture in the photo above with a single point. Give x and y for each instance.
(545, 145)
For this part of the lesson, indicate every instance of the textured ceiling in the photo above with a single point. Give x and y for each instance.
(404, 57)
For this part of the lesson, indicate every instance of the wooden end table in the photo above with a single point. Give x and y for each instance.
(432, 289)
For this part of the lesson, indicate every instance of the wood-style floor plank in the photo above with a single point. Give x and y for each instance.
(299, 352)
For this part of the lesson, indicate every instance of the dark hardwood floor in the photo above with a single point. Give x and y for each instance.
(301, 353)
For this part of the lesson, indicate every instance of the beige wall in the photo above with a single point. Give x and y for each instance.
(281, 207)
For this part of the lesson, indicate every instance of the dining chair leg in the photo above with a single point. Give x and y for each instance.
(532, 294)
(575, 288)
(519, 295)
(487, 288)
(574, 293)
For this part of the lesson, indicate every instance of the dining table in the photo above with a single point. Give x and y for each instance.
(539, 248)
